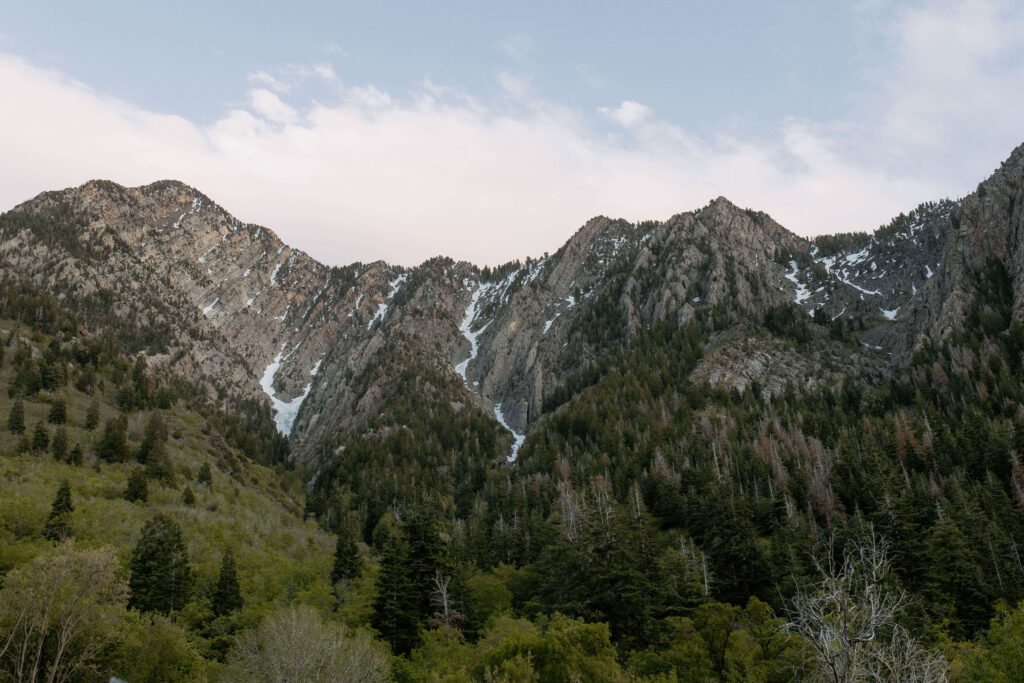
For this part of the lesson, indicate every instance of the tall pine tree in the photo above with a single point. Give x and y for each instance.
(16, 418)
(138, 487)
(92, 416)
(40, 438)
(347, 563)
(161, 577)
(394, 608)
(58, 525)
(113, 445)
(226, 597)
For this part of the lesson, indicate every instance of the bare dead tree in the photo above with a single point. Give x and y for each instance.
(447, 616)
(904, 659)
(573, 507)
(848, 619)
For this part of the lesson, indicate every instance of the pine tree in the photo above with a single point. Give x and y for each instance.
(159, 467)
(139, 381)
(226, 597)
(113, 445)
(16, 419)
(40, 438)
(154, 438)
(205, 475)
(187, 497)
(161, 577)
(59, 444)
(138, 486)
(394, 608)
(58, 412)
(58, 525)
(92, 416)
(76, 456)
(426, 557)
(347, 563)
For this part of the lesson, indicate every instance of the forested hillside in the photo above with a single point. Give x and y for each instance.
(702, 449)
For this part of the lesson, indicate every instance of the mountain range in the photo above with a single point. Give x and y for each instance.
(670, 450)
(228, 303)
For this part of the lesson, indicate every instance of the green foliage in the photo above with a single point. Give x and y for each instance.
(58, 411)
(40, 437)
(59, 444)
(16, 418)
(395, 614)
(153, 649)
(683, 653)
(113, 444)
(561, 649)
(227, 597)
(58, 524)
(788, 321)
(281, 558)
(348, 564)
(488, 595)
(154, 439)
(205, 475)
(138, 486)
(161, 577)
(92, 416)
(1000, 655)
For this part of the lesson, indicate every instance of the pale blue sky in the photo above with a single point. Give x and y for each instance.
(703, 63)
(487, 131)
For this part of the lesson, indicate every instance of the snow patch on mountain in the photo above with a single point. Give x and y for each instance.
(802, 292)
(466, 329)
(285, 412)
(517, 443)
(382, 310)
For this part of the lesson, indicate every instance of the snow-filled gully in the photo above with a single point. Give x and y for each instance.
(285, 412)
(473, 338)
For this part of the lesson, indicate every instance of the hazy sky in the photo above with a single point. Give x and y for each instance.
(489, 131)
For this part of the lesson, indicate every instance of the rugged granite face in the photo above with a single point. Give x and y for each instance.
(230, 305)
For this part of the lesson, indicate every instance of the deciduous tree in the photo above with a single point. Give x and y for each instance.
(297, 644)
(58, 612)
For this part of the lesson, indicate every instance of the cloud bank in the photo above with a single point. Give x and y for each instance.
(403, 177)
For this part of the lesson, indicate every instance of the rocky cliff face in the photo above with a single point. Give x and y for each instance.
(231, 305)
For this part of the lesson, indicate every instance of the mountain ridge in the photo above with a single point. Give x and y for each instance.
(248, 312)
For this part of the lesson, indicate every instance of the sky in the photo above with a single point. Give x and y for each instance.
(492, 131)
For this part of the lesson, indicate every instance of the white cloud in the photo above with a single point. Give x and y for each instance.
(326, 72)
(956, 75)
(271, 107)
(264, 78)
(284, 79)
(627, 114)
(374, 174)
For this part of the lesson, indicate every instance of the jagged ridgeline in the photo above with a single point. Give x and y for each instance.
(659, 429)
